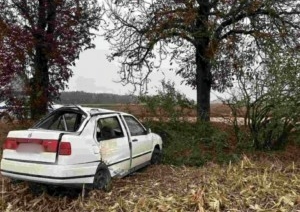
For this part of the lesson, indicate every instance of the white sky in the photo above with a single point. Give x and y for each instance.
(94, 73)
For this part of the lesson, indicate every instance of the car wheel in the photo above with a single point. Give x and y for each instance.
(5, 118)
(156, 156)
(102, 179)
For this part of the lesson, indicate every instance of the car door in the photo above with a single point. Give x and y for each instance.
(141, 141)
(113, 144)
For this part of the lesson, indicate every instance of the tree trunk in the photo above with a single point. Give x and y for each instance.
(39, 86)
(39, 96)
(203, 70)
(203, 82)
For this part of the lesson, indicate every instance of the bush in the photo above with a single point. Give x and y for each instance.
(168, 104)
(269, 98)
(191, 144)
(185, 142)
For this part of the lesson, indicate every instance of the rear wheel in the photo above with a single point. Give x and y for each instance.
(102, 179)
(156, 156)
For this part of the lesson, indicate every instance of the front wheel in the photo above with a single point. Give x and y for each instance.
(156, 156)
(102, 179)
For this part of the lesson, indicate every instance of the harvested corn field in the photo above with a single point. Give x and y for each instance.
(248, 185)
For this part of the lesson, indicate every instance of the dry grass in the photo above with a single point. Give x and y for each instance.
(244, 186)
(259, 182)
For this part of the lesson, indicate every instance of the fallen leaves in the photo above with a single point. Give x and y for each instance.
(244, 186)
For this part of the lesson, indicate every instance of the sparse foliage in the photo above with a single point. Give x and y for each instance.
(207, 40)
(269, 96)
(168, 104)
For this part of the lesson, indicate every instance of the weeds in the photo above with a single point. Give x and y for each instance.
(248, 185)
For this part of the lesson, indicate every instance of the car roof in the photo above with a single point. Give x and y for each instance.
(94, 111)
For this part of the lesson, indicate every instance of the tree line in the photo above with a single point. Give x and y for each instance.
(80, 97)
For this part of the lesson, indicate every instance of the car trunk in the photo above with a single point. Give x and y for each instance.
(32, 146)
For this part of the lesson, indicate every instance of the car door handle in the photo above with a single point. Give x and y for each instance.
(135, 140)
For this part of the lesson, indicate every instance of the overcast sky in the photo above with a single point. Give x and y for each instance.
(94, 73)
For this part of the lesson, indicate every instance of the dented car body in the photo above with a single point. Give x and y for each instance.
(75, 145)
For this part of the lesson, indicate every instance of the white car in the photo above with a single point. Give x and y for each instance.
(75, 145)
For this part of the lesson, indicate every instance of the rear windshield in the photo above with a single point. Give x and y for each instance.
(62, 120)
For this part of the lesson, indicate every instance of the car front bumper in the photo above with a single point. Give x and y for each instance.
(49, 173)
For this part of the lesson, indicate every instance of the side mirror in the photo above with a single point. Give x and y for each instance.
(148, 131)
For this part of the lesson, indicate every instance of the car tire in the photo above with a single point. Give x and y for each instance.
(156, 156)
(102, 179)
(5, 118)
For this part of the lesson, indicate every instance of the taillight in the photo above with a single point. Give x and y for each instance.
(65, 148)
(50, 145)
(13, 143)
(10, 144)
(29, 140)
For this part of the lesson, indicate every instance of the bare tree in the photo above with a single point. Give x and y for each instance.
(202, 37)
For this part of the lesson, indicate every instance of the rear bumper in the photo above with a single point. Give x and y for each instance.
(49, 173)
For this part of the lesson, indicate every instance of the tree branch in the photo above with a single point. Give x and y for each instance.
(245, 32)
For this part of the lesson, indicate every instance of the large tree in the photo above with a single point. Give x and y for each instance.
(208, 40)
(42, 40)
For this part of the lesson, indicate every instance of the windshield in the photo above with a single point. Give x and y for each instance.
(62, 120)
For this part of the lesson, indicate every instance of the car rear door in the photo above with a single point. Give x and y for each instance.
(113, 144)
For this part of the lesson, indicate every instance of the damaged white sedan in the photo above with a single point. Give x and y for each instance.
(75, 145)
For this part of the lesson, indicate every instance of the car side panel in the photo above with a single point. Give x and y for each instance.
(84, 148)
(115, 152)
(141, 149)
(142, 145)
(156, 140)
(49, 173)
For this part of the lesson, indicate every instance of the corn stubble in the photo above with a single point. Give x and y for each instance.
(244, 186)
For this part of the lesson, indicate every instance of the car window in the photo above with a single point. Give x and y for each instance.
(134, 126)
(63, 121)
(108, 128)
